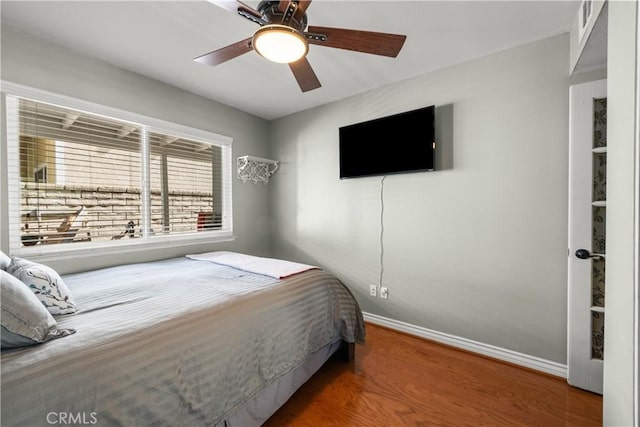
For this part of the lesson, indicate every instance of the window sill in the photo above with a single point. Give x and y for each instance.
(63, 251)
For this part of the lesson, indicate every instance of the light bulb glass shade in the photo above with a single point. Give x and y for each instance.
(279, 43)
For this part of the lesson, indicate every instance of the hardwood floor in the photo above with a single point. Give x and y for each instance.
(401, 380)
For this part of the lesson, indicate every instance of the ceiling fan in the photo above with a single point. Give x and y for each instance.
(284, 37)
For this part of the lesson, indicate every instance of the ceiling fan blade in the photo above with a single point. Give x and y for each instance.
(225, 53)
(303, 5)
(293, 9)
(282, 5)
(360, 41)
(304, 74)
(236, 6)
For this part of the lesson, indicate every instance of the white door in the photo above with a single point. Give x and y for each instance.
(587, 219)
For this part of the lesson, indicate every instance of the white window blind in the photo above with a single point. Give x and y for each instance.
(85, 178)
(185, 179)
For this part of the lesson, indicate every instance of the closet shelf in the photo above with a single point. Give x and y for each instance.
(256, 169)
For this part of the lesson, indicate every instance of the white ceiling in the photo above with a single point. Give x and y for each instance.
(159, 39)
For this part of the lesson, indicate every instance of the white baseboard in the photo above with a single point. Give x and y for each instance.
(521, 359)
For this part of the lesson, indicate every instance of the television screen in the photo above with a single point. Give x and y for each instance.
(399, 143)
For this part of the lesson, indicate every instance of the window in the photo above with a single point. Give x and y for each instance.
(86, 178)
(586, 9)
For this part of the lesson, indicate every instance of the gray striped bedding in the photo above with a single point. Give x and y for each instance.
(179, 342)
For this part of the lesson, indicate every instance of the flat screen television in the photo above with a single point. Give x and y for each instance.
(400, 143)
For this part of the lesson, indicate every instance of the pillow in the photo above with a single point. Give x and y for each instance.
(24, 319)
(45, 283)
(4, 261)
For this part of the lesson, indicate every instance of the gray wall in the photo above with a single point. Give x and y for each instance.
(621, 300)
(477, 249)
(36, 63)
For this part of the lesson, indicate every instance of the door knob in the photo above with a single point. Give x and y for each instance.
(585, 254)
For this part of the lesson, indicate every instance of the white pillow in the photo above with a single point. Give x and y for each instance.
(45, 283)
(25, 321)
(5, 260)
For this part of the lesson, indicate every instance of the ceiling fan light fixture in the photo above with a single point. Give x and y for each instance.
(280, 43)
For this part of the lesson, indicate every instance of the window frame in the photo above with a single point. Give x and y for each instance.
(11, 91)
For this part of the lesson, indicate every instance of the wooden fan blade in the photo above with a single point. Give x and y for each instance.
(304, 74)
(235, 6)
(226, 53)
(359, 41)
(303, 5)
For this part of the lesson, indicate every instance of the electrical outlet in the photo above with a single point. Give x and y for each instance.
(373, 290)
(384, 293)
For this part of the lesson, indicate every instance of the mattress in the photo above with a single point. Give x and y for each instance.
(179, 342)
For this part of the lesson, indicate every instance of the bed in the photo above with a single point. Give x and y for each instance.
(181, 342)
